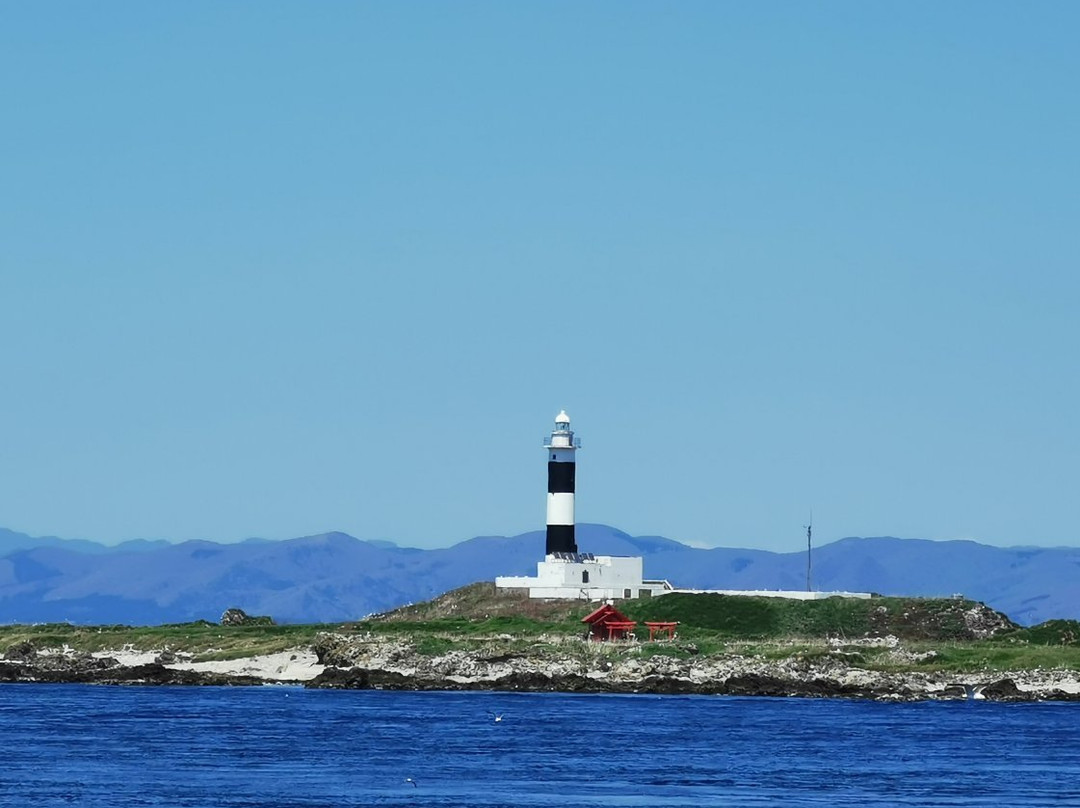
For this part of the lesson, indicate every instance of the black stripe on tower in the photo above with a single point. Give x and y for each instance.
(560, 539)
(561, 477)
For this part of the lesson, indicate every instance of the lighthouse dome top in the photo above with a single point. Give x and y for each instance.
(562, 417)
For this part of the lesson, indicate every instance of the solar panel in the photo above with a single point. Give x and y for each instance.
(574, 557)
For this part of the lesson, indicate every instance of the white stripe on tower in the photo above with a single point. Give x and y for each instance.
(561, 473)
(560, 508)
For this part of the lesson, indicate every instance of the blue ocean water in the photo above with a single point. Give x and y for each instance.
(80, 745)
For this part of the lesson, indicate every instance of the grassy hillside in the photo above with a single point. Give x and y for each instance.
(481, 601)
(472, 616)
(205, 640)
(774, 618)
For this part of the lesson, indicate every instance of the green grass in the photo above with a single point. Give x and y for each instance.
(466, 627)
(775, 618)
(1052, 632)
(476, 619)
(205, 640)
(755, 618)
(999, 656)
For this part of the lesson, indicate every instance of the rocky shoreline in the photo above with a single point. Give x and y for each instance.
(584, 667)
(24, 663)
(368, 662)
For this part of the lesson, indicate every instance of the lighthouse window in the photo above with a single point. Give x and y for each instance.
(553, 457)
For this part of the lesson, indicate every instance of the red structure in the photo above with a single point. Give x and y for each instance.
(608, 623)
(659, 628)
(620, 629)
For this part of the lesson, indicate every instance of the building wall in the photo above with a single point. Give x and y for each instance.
(610, 571)
(609, 577)
(612, 577)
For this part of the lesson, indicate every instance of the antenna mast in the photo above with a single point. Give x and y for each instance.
(809, 532)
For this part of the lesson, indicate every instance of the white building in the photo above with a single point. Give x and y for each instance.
(584, 576)
(790, 594)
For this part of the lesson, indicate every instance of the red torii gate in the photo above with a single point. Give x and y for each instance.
(658, 627)
(608, 623)
(620, 629)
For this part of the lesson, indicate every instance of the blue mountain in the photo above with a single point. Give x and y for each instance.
(334, 577)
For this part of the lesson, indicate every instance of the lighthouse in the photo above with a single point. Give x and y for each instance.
(565, 572)
(561, 447)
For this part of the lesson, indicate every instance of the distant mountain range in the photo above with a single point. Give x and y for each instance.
(333, 577)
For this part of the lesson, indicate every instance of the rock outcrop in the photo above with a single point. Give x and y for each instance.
(238, 617)
(371, 662)
(563, 664)
(24, 666)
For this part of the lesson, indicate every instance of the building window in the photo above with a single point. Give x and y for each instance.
(584, 576)
(626, 593)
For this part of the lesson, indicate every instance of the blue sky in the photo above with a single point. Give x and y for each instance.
(273, 269)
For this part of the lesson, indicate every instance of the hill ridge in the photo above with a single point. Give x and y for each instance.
(333, 576)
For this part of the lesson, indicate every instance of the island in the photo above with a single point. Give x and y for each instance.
(481, 638)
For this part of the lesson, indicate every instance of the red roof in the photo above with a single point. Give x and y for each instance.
(605, 614)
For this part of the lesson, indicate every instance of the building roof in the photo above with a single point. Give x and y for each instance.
(562, 417)
(604, 614)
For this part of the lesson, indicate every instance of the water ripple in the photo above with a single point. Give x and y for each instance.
(274, 747)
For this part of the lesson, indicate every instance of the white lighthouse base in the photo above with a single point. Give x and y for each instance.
(583, 576)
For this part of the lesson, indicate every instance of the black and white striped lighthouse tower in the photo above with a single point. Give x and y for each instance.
(560, 500)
